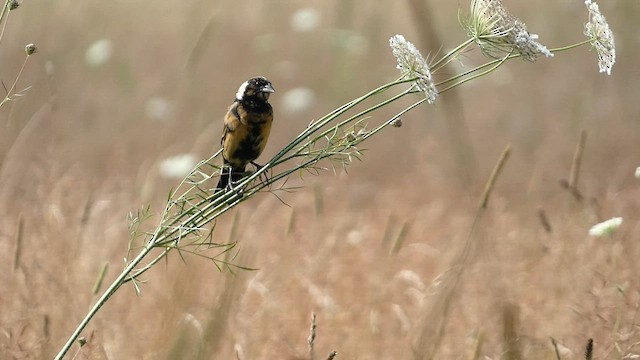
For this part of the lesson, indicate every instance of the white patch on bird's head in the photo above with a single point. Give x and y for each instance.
(241, 90)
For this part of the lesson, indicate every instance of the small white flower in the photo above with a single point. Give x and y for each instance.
(638, 173)
(606, 228)
(498, 33)
(412, 64)
(597, 29)
(527, 44)
(297, 100)
(177, 167)
(305, 20)
(98, 53)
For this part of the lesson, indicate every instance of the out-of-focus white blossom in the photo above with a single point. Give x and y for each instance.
(98, 53)
(606, 228)
(297, 100)
(305, 20)
(177, 167)
(158, 108)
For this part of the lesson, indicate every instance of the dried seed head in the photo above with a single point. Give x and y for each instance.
(13, 4)
(412, 65)
(397, 123)
(30, 49)
(597, 29)
(498, 33)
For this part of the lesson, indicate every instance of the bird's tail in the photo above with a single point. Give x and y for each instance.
(228, 176)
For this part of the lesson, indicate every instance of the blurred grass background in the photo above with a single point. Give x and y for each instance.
(83, 148)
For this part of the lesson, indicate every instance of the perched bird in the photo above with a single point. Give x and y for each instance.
(247, 125)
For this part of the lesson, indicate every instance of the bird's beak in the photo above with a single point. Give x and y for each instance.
(267, 88)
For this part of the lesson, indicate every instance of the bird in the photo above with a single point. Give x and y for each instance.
(247, 125)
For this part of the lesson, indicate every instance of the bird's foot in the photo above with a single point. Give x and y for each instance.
(264, 178)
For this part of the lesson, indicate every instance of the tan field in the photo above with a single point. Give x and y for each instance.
(386, 254)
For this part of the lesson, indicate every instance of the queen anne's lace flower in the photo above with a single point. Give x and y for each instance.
(499, 33)
(598, 30)
(606, 228)
(412, 64)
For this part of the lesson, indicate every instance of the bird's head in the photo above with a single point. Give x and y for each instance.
(256, 88)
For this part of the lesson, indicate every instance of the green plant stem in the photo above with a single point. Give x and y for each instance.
(448, 57)
(138, 272)
(464, 80)
(4, 13)
(573, 46)
(367, 135)
(394, 118)
(103, 299)
(320, 123)
(495, 64)
(4, 18)
(341, 124)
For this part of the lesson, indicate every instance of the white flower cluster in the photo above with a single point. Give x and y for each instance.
(598, 30)
(498, 33)
(412, 64)
(606, 228)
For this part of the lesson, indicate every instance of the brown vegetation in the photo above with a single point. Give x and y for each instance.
(373, 252)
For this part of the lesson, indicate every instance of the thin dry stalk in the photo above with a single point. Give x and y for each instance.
(510, 315)
(100, 279)
(291, 223)
(457, 130)
(494, 176)
(318, 200)
(588, 353)
(577, 161)
(86, 212)
(216, 328)
(17, 253)
(555, 347)
(572, 184)
(431, 327)
(427, 343)
(386, 237)
(399, 240)
(544, 221)
(477, 347)
(312, 336)
(189, 341)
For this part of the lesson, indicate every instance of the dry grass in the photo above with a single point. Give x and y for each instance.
(368, 251)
